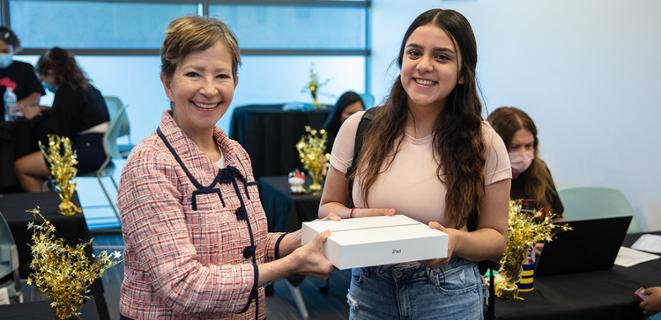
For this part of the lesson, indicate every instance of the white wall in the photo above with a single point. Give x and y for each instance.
(588, 72)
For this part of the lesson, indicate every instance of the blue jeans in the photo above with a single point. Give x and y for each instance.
(400, 292)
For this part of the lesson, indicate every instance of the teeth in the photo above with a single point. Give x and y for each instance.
(424, 82)
(206, 105)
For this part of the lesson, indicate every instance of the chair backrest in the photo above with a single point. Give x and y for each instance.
(111, 135)
(5, 233)
(114, 105)
(597, 202)
(8, 257)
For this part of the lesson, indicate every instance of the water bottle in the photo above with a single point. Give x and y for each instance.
(10, 105)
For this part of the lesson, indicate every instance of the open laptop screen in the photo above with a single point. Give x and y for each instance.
(591, 245)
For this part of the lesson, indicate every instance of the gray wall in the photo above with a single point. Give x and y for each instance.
(587, 71)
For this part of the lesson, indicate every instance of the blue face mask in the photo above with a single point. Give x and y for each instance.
(6, 59)
(48, 87)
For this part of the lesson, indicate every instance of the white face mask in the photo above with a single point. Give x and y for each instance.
(5, 60)
(521, 160)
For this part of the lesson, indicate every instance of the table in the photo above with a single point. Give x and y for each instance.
(284, 211)
(270, 134)
(72, 229)
(40, 310)
(16, 140)
(592, 295)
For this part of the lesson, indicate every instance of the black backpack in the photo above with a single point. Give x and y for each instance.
(471, 225)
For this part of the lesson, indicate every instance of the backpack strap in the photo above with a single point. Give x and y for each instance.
(364, 123)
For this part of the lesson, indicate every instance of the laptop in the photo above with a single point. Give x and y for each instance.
(591, 245)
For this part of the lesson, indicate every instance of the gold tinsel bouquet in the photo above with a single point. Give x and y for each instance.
(312, 152)
(62, 272)
(313, 87)
(62, 160)
(524, 230)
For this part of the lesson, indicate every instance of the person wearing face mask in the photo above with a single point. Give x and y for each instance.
(19, 76)
(531, 178)
(79, 112)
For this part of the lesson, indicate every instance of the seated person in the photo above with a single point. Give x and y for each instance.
(348, 104)
(531, 178)
(78, 112)
(19, 76)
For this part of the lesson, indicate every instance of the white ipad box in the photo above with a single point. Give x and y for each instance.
(372, 241)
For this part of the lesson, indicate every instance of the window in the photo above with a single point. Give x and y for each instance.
(295, 26)
(93, 24)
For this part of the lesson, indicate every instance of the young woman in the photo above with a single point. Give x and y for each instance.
(348, 104)
(78, 112)
(427, 154)
(531, 178)
(195, 233)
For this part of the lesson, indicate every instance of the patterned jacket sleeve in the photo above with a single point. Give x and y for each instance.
(273, 245)
(154, 224)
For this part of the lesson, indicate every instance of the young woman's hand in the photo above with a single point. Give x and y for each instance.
(372, 212)
(452, 242)
(30, 111)
(652, 302)
(310, 259)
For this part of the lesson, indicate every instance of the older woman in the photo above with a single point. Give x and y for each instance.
(195, 232)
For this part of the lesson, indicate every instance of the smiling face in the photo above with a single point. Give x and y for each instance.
(430, 66)
(201, 88)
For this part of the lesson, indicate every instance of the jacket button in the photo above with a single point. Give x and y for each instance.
(248, 252)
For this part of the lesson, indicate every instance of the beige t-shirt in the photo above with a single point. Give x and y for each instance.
(411, 185)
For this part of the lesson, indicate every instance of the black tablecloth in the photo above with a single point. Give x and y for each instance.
(284, 211)
(269, 135)
(41, 310)
(593, 295)
(16, 140)
(72, 229)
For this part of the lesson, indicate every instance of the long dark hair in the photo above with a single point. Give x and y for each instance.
(65, 68)
(334, 119)
(537, 180)
(457, 144)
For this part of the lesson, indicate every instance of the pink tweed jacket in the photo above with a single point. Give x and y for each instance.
(194, 234)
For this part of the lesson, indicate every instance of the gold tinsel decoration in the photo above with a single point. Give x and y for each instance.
(524, 230)
(62, 272)
(62, 160)
(312, 152)
(313, 87)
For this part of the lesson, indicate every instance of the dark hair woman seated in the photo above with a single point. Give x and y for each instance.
(348, 104)
(78, 112)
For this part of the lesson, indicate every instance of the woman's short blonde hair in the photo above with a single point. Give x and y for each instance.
(190, 34)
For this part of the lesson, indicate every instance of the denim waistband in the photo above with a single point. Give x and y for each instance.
(413, 270)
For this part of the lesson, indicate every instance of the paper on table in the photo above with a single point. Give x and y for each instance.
(629, 257)
(4, 296)
(648, 242)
